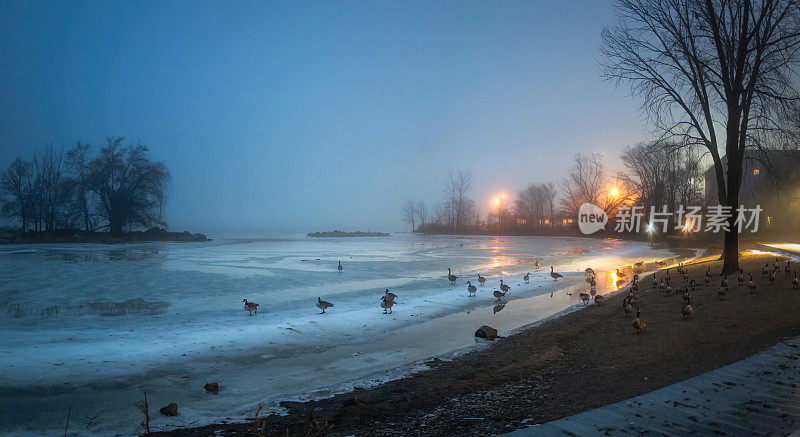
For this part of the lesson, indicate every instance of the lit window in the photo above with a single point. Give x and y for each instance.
(756, 172)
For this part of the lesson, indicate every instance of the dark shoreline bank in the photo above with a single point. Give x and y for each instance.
(75, 236)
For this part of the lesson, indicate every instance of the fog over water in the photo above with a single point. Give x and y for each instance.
(315, 115)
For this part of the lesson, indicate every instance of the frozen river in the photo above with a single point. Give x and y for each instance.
(94, 326)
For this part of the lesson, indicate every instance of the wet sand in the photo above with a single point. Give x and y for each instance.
(582, 360)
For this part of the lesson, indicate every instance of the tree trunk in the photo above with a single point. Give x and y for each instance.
(730, 252)
(115, 227)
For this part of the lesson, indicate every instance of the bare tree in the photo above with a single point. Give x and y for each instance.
(703, 65)
(549, 194)
(528, 204)
(455, 191)
(77, 163)
(410, 213)
(662, 175)
(50, 189)
(16, 184)
(131, 189)
(585, 183)
(422, 213)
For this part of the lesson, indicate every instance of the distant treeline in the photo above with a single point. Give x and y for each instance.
(115, 189)
(338, 233)
(656, 174)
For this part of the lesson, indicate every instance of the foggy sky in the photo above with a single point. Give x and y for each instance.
(316, 115)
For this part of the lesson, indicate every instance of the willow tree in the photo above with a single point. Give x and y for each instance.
(714, 74)
(131, 189)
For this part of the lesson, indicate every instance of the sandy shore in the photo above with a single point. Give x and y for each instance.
(564, 366)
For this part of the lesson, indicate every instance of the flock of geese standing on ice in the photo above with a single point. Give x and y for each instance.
(388, 300)
(630, 302)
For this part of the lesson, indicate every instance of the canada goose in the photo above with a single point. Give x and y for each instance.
(685, 276)
(499, 294)
(592, 291)
(725, 280)
(635, 278)
(585, 298)
(527, 277)
(772, 277)
(740, 279)
(497, 308)
(751, 285)
(250, 307)
(635, 286)
(667, 277)
(340, 266)
(639, 264)
(764, 271)
(787, 269)
(620, 274)
(655, 282)
(795, 281)
(451, 277)
(775, 266)
(554, 275)
(668, 289)
(722, 290)
(638, 323)
(620, 283)
(632, 298)
(471, 288)
(481, 279)
(593, 282)
(626, 306)
(504, 287)
(323, 305)
(687, 309)
(588, 271)
(389, 295)
(708, 280)
(386, 304)
(686, 295)
(599, 299)
(661, 284)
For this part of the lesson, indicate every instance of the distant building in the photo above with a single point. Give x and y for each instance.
(771, 179)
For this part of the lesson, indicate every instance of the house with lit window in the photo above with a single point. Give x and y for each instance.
(771, 179)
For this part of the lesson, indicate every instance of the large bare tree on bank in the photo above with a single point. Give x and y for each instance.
(718, 74)
(131, 189)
